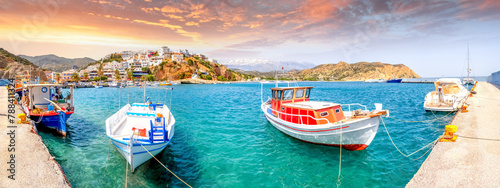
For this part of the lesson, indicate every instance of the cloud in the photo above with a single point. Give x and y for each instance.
(228, 53)
(265, 42)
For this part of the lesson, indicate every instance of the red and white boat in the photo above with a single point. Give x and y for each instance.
(290, 111)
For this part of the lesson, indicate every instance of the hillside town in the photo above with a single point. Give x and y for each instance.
(128, 65)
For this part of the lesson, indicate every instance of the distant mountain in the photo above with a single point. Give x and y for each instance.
(58, 64)
(357, 71)
(262, 65)
(11, 65)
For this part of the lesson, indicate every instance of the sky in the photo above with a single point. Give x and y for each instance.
(429, 36)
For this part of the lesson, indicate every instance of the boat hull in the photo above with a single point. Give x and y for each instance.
(355, 134)
(52, 121)
(139, 154)
(394, 81)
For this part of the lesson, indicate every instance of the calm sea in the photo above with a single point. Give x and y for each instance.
(223, 140)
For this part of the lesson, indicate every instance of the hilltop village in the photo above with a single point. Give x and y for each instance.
(150, 65)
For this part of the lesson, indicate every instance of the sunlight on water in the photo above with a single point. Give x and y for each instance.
(223, 140)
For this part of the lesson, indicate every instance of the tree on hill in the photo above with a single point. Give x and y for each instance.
(86, 76)
(117, 74)
(75, 77)
(130, 74)
(150, 78)
(58, 78)
(99, 70)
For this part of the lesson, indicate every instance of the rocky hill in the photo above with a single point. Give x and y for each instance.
(171, 70)
(356, 72)
(58, 64)
(11, 65)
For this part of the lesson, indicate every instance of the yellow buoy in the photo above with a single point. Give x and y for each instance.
(464, 108)
(448, 135)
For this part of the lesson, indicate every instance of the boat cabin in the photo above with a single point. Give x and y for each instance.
(292, 104)
(448, 86)
(37, 96)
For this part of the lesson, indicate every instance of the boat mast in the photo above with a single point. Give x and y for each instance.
(468, 59)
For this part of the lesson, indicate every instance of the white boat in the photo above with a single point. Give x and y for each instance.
(449, 95)
(325, 123)
(140, 129)
(376, 81)
(114, 84)
(98, 86)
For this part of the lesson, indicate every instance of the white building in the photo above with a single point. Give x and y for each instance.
(163, 51)
(178, 57)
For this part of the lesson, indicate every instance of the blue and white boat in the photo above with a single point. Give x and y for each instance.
(140, 130)
(47, 105)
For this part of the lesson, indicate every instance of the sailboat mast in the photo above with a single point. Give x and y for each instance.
(468, 60)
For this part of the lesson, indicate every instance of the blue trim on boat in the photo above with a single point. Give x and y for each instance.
(141, 151)
(140, 114)
(125, 143)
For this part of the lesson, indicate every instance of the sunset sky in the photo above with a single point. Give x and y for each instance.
(429, 36)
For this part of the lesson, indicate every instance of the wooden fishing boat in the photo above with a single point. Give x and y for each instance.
(139, 129)
(290, 111)
(449, 95)
(48, 106)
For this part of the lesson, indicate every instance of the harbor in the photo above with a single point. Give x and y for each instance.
(32, 164)
(474, 159)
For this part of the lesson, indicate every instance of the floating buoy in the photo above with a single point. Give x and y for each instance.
(448, 135)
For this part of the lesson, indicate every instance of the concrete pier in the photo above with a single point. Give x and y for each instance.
(24, 159)
(474, 159)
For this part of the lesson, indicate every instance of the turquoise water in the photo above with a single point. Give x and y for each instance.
(223, 140)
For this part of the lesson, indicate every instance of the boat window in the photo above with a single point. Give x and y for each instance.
(337, 110)
(288, 95)
(308, 92)
(279, 94)
(323, 114)
(274, 94)
(299, 93)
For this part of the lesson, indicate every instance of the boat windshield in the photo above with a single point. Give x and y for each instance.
(299, 93)
(288, 95)
(308, 92)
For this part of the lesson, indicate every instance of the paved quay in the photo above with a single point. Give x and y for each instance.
(23, 154)
(474, 159)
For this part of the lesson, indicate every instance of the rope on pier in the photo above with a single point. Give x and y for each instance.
(420, 121)
(408, 155)
(164, 166)
(477, 138)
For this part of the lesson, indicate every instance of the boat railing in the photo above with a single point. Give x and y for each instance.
(115, 119)
(354, 104)
(302, 123)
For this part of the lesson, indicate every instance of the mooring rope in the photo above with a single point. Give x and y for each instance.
(421, 121)
(107, 160)
(340, 161)
(165, 166)
(126, 173)
(406, 155)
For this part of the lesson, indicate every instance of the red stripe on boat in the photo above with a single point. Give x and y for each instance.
(350, 147)
(307, 130)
